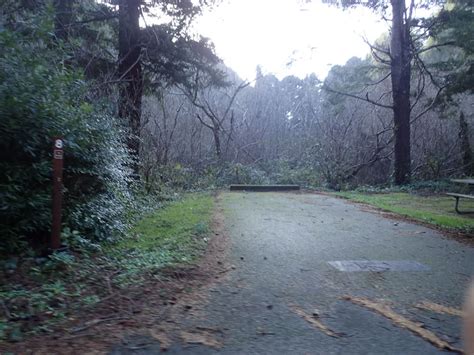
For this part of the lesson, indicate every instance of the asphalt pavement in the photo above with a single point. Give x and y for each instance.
(302, 263)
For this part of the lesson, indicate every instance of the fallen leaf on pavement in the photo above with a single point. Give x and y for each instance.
(261, 331)
(402, 322)
(314, 321)
(200, 337)
(162, 337)
(439, 308)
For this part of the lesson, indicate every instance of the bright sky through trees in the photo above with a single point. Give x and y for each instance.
(288, 36)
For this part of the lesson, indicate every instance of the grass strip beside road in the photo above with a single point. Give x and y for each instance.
(433, 209)
(176, 234)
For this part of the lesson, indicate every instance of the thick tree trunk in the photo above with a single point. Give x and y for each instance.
(130, 74)
(217, 142)
(401, 72)
(467, 158)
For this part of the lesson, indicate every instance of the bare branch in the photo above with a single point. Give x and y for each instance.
(366, 98)
(426, 49)
(429, 107)
(204, 123)
(380, 81)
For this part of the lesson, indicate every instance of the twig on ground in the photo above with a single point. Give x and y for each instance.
(94, 322)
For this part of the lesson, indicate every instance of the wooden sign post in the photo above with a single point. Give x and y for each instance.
(58, 159)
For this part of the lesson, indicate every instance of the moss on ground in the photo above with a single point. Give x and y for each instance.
(434, 209)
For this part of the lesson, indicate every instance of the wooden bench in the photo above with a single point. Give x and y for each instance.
(457, 197)
(264, 188)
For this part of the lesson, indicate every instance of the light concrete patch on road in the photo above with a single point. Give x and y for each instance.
(378, 266)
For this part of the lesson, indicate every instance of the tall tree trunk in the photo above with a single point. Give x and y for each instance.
(401, 72)
(217, 142)
(130, 74)
(467, 158)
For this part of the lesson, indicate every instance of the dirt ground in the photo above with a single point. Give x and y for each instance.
(295, 273)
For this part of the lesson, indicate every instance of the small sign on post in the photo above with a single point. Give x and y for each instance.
(58, 159)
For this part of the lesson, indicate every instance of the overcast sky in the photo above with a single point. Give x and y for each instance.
(287, 36)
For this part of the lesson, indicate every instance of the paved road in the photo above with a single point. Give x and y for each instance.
(281, 246)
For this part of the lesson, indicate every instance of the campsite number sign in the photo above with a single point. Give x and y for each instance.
(58, 159)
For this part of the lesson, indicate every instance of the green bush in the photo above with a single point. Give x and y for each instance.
(283, 172)
(242, 174)
(40, 98)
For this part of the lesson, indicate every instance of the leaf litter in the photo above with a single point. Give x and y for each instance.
(402, 322)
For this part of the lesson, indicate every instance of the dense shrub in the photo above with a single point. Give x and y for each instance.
(41, 98)
(285, 172)
(242, 174)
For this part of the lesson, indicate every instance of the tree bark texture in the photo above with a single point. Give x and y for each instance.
(217, 141)
(130, 73)
(401, 72)
(466, 151)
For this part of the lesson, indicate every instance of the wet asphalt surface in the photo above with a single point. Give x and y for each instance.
(281, 246)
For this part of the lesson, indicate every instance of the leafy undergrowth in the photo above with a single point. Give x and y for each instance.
(39, 294)
(433, 209)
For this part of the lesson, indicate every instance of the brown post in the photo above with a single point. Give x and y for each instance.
(58, 155)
